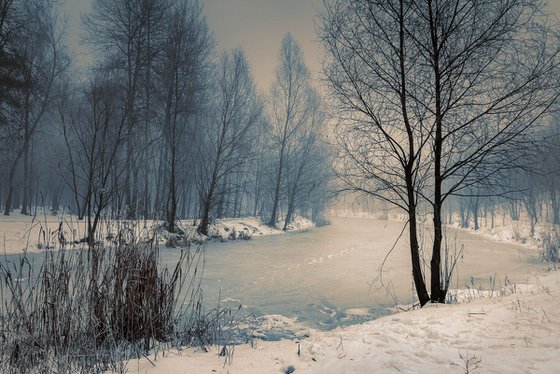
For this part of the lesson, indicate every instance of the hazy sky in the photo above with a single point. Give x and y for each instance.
(257, 26)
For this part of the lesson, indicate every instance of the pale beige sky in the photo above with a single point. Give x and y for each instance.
(257, 26)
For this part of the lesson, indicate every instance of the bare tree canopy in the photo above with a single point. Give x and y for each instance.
(227, 138)
(293, 109)
(435, 97)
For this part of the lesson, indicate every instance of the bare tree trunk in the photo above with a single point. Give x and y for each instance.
(160, 181)
(555, 205)
(221, 209)
(172, 197)
(9, 198)
(129, 176)
(289, 213)
(292, 195)
(26, 198)
(437, 293)
(207, 204)
(240, 211)
(474, 203)
(417, 275)
(274, 213)
(514, 209)
(257, 193)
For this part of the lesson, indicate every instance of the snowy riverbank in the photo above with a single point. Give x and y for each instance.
(20, 233)
(515, 331)
(504, 229)
(235, 229)
(518, 232)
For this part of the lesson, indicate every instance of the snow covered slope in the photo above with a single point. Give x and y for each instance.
(513, 332)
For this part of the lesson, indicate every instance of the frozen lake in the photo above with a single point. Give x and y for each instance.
(324, 276)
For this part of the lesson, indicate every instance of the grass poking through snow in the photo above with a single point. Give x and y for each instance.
(91, 310)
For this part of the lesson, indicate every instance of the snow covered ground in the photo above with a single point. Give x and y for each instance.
(515, 232)
(240, 228)
(514, 331)
(19, 232)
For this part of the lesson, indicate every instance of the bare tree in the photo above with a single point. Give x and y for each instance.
(235, 112)
(94, 128)
(11, 62)
(306, 160)
(122, 32)
(492, 76)
(463, 80)
(380, 130)
(42, 63)
(157, 14)
(185, 57)
(290, 101)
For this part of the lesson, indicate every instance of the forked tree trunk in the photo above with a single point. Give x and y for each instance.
(206, 205)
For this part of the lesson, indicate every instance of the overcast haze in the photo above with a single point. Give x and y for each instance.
(162, 188)
(256, 26)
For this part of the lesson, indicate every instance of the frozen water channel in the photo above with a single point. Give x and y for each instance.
(324, 276)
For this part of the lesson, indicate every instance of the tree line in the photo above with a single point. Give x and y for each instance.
(161, 126)
(533, 194)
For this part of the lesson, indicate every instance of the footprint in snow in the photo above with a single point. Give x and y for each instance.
(289, 370)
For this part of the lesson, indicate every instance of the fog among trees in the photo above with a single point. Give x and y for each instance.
(161, 126)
